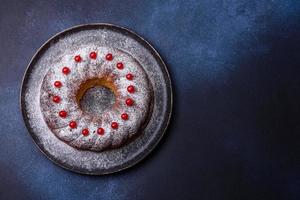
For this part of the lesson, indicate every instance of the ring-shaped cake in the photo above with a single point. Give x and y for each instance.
(68, 79)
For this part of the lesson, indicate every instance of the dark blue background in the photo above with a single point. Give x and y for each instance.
(235, 66)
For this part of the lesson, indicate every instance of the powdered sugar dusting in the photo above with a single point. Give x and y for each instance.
(82, 71)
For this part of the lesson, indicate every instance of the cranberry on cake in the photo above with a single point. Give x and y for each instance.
(66, 83)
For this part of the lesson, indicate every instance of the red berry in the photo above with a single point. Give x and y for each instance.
(56, 99)
(62, 114)
(120, 65)
(130, 89)
(129, 76)
(93, 55)
(114, 125)
(73, 124)
(85, 132)
(65, 70)
(100, 131)
(77, 58)
(57, 84)
(124, 116)
(109, 57)
(129, 102)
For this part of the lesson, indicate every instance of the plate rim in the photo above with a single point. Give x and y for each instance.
(86, 26)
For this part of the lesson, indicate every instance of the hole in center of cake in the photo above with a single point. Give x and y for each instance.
(95, 96)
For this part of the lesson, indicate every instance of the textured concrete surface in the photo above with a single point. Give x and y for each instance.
(96, 100)
(235, 131)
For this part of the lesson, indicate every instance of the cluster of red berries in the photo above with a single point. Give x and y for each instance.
(128, 102)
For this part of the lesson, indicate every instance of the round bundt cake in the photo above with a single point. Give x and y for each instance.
(67, 82)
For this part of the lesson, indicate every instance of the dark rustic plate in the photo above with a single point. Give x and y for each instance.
(110, 161)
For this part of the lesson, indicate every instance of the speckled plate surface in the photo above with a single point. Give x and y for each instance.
(110, 161)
